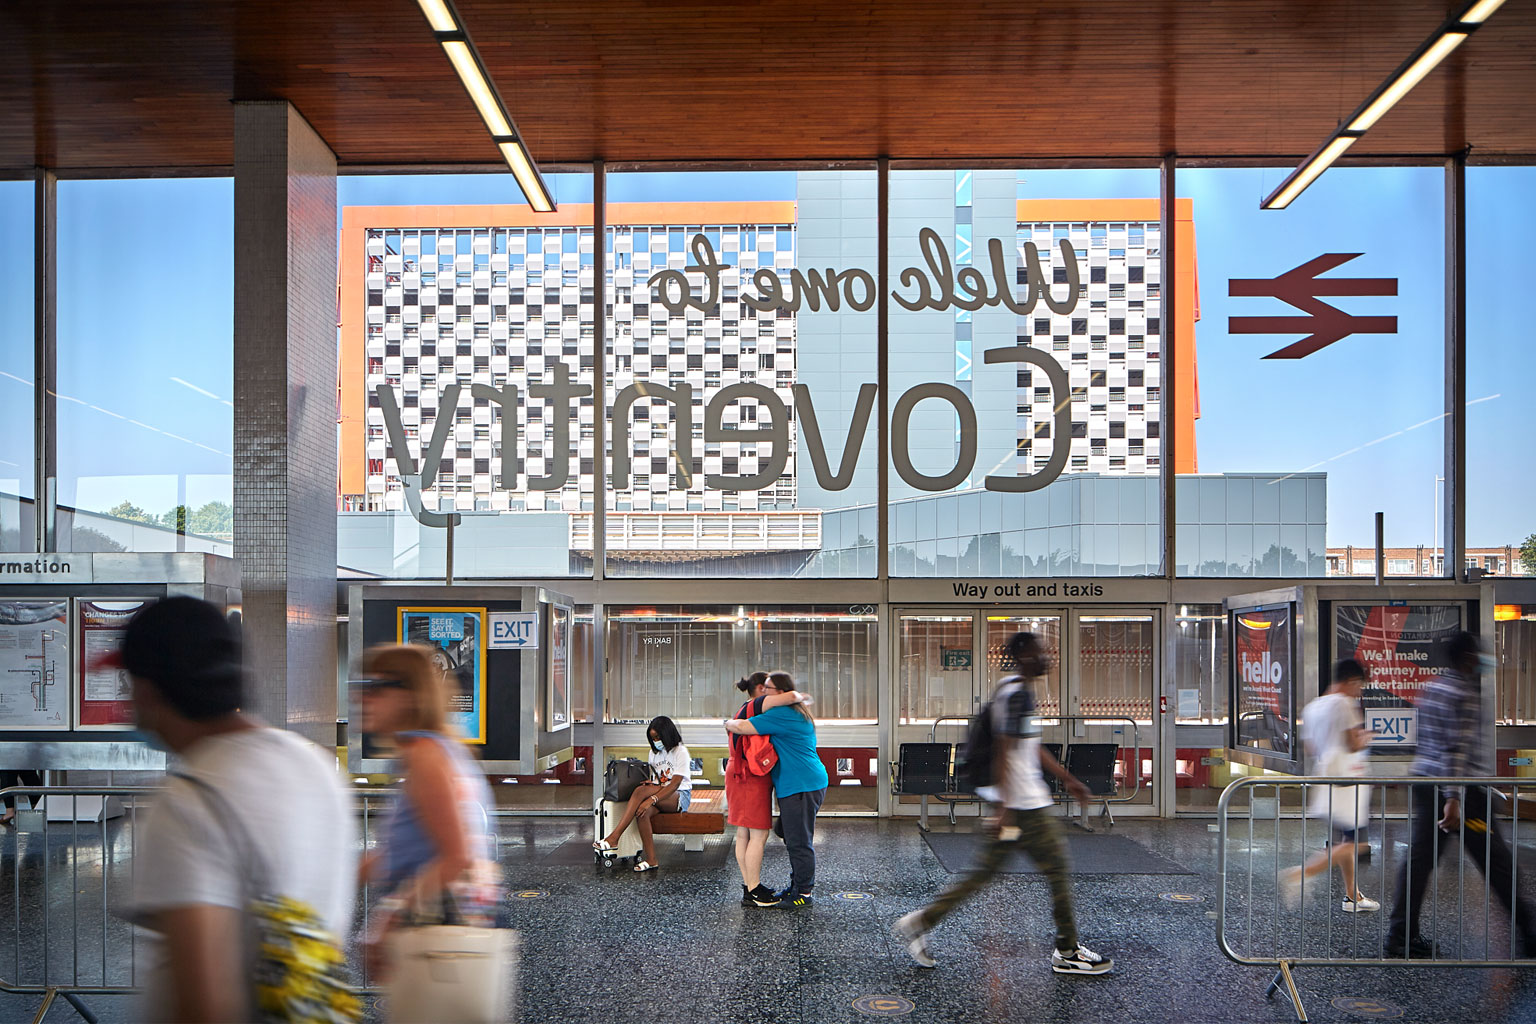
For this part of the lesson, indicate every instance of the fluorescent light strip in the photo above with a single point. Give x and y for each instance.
(441, 19)
(1479, 12)
(1407, 80)
(1309, 172)
(527, 178)
(479, 89)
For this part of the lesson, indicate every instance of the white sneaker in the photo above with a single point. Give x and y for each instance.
(1363, 905)
(1082, 961)
(909, 930)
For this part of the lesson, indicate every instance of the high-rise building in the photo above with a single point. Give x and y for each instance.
(435, 296)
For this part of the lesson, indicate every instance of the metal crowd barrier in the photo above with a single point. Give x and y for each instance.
(87, 948)
(956, 797)
(1272, 931)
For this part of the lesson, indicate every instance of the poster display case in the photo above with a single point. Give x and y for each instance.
(506, 653)
(102, 698)
(35, 664)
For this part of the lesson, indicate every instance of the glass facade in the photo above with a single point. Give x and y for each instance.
(1339, 411)
(467, 360)
(741, 344)
(145, 365)
(1501, 361)
(1026, 368)
(17, 532)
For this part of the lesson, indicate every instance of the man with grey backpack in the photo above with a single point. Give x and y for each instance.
(1003, 757)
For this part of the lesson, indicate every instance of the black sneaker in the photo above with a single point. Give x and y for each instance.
(762, 896)
(1417, 948)
(746, 897)
(795, 900)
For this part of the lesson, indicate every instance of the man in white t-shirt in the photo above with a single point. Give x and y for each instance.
(1023, 820)
(251, 811)
(1333, 729)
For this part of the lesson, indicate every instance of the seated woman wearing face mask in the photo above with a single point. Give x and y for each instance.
(670, 794)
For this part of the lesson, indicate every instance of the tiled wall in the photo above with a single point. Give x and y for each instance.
(285, 414)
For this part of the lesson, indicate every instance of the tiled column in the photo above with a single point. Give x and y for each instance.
(285, 414)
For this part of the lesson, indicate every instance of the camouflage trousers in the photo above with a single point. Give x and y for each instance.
(1039, 837)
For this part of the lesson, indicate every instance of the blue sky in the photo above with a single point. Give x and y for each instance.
(145, 302)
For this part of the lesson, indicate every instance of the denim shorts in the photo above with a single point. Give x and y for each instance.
(684, 798)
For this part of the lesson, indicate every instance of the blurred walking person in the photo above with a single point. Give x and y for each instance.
(799, 781)
(1007, 759)
(436, 837)
(252, 841)
(1450, 744)
(1333, 728)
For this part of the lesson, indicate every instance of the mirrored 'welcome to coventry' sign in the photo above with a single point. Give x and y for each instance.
(936, 286)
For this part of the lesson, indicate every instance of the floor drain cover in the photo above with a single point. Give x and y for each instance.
(884, 1006)
(1375, 1009)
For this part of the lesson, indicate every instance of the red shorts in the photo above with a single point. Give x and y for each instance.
(749, 800)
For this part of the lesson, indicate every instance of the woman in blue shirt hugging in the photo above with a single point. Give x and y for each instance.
(799, 782)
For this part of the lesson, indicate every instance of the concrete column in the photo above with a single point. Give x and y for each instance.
(285, 414)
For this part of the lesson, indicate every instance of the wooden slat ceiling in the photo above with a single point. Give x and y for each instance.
(135, 84)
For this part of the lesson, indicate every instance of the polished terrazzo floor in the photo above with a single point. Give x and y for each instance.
(674, 945)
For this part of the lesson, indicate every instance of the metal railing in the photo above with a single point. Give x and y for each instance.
(81, 944)
(957, 797)
(1263, 904)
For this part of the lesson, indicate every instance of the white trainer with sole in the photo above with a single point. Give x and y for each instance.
(1081, 961)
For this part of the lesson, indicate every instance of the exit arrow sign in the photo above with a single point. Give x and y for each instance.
(1300, 287)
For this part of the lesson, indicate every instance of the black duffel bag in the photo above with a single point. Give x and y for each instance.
(623, 777)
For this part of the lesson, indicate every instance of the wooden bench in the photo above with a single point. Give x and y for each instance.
(705, 816)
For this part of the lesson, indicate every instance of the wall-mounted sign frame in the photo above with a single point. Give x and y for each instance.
(102, 697)
(456, 637)
(557, 702)
(1266, 673)
(1402, 646)
(36, 664)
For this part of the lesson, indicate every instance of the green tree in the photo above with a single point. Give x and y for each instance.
(126, 510)
(1528, 554)
(215, 519)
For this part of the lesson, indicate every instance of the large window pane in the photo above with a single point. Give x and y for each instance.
(1298, 437)
(452, 292)
(1025, 339)
(732, 393)
(16, 394)
(684, 662)
(1501, 363)
(145, 365)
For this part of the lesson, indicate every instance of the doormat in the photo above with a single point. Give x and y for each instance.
(577, 852)
(1090, 854)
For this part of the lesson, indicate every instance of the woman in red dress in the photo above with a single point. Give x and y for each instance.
(749, 797)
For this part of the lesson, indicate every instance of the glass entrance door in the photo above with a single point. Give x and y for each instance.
(1101, 688)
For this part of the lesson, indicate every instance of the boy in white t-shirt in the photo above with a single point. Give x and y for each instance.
(1333, 729)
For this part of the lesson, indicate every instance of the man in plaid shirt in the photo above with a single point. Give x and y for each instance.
(1449, 744)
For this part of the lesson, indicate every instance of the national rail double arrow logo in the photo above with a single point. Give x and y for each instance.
(1300, 288)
